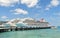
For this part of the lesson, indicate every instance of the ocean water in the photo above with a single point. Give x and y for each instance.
(41, 33)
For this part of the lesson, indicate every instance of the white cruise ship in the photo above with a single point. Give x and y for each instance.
(42, 23)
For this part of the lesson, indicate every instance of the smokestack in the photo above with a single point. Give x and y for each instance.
(42, 20)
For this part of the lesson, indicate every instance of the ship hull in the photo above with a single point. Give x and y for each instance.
(45, 27)
(32, 28)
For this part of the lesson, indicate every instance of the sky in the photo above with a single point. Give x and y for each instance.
(36, 9)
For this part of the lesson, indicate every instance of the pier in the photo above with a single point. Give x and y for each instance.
(3, 30)
(21, 28)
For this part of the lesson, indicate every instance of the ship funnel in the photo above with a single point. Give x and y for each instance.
(42, 20)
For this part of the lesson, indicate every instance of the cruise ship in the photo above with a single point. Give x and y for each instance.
(41, 24)
(27, 24)
(30, 23)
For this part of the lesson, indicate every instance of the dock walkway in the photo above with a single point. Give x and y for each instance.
(21, 28)
(3, 30)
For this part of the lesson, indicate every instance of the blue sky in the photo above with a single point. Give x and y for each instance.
(37, 9)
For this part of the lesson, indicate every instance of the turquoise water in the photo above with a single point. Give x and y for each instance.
(42, 33)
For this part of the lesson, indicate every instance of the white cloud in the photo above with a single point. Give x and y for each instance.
(53, 3)
(19, 11)
(4, 17)
(29, 3)
(8, 2)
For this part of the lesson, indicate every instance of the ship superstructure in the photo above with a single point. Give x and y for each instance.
(41, 23)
